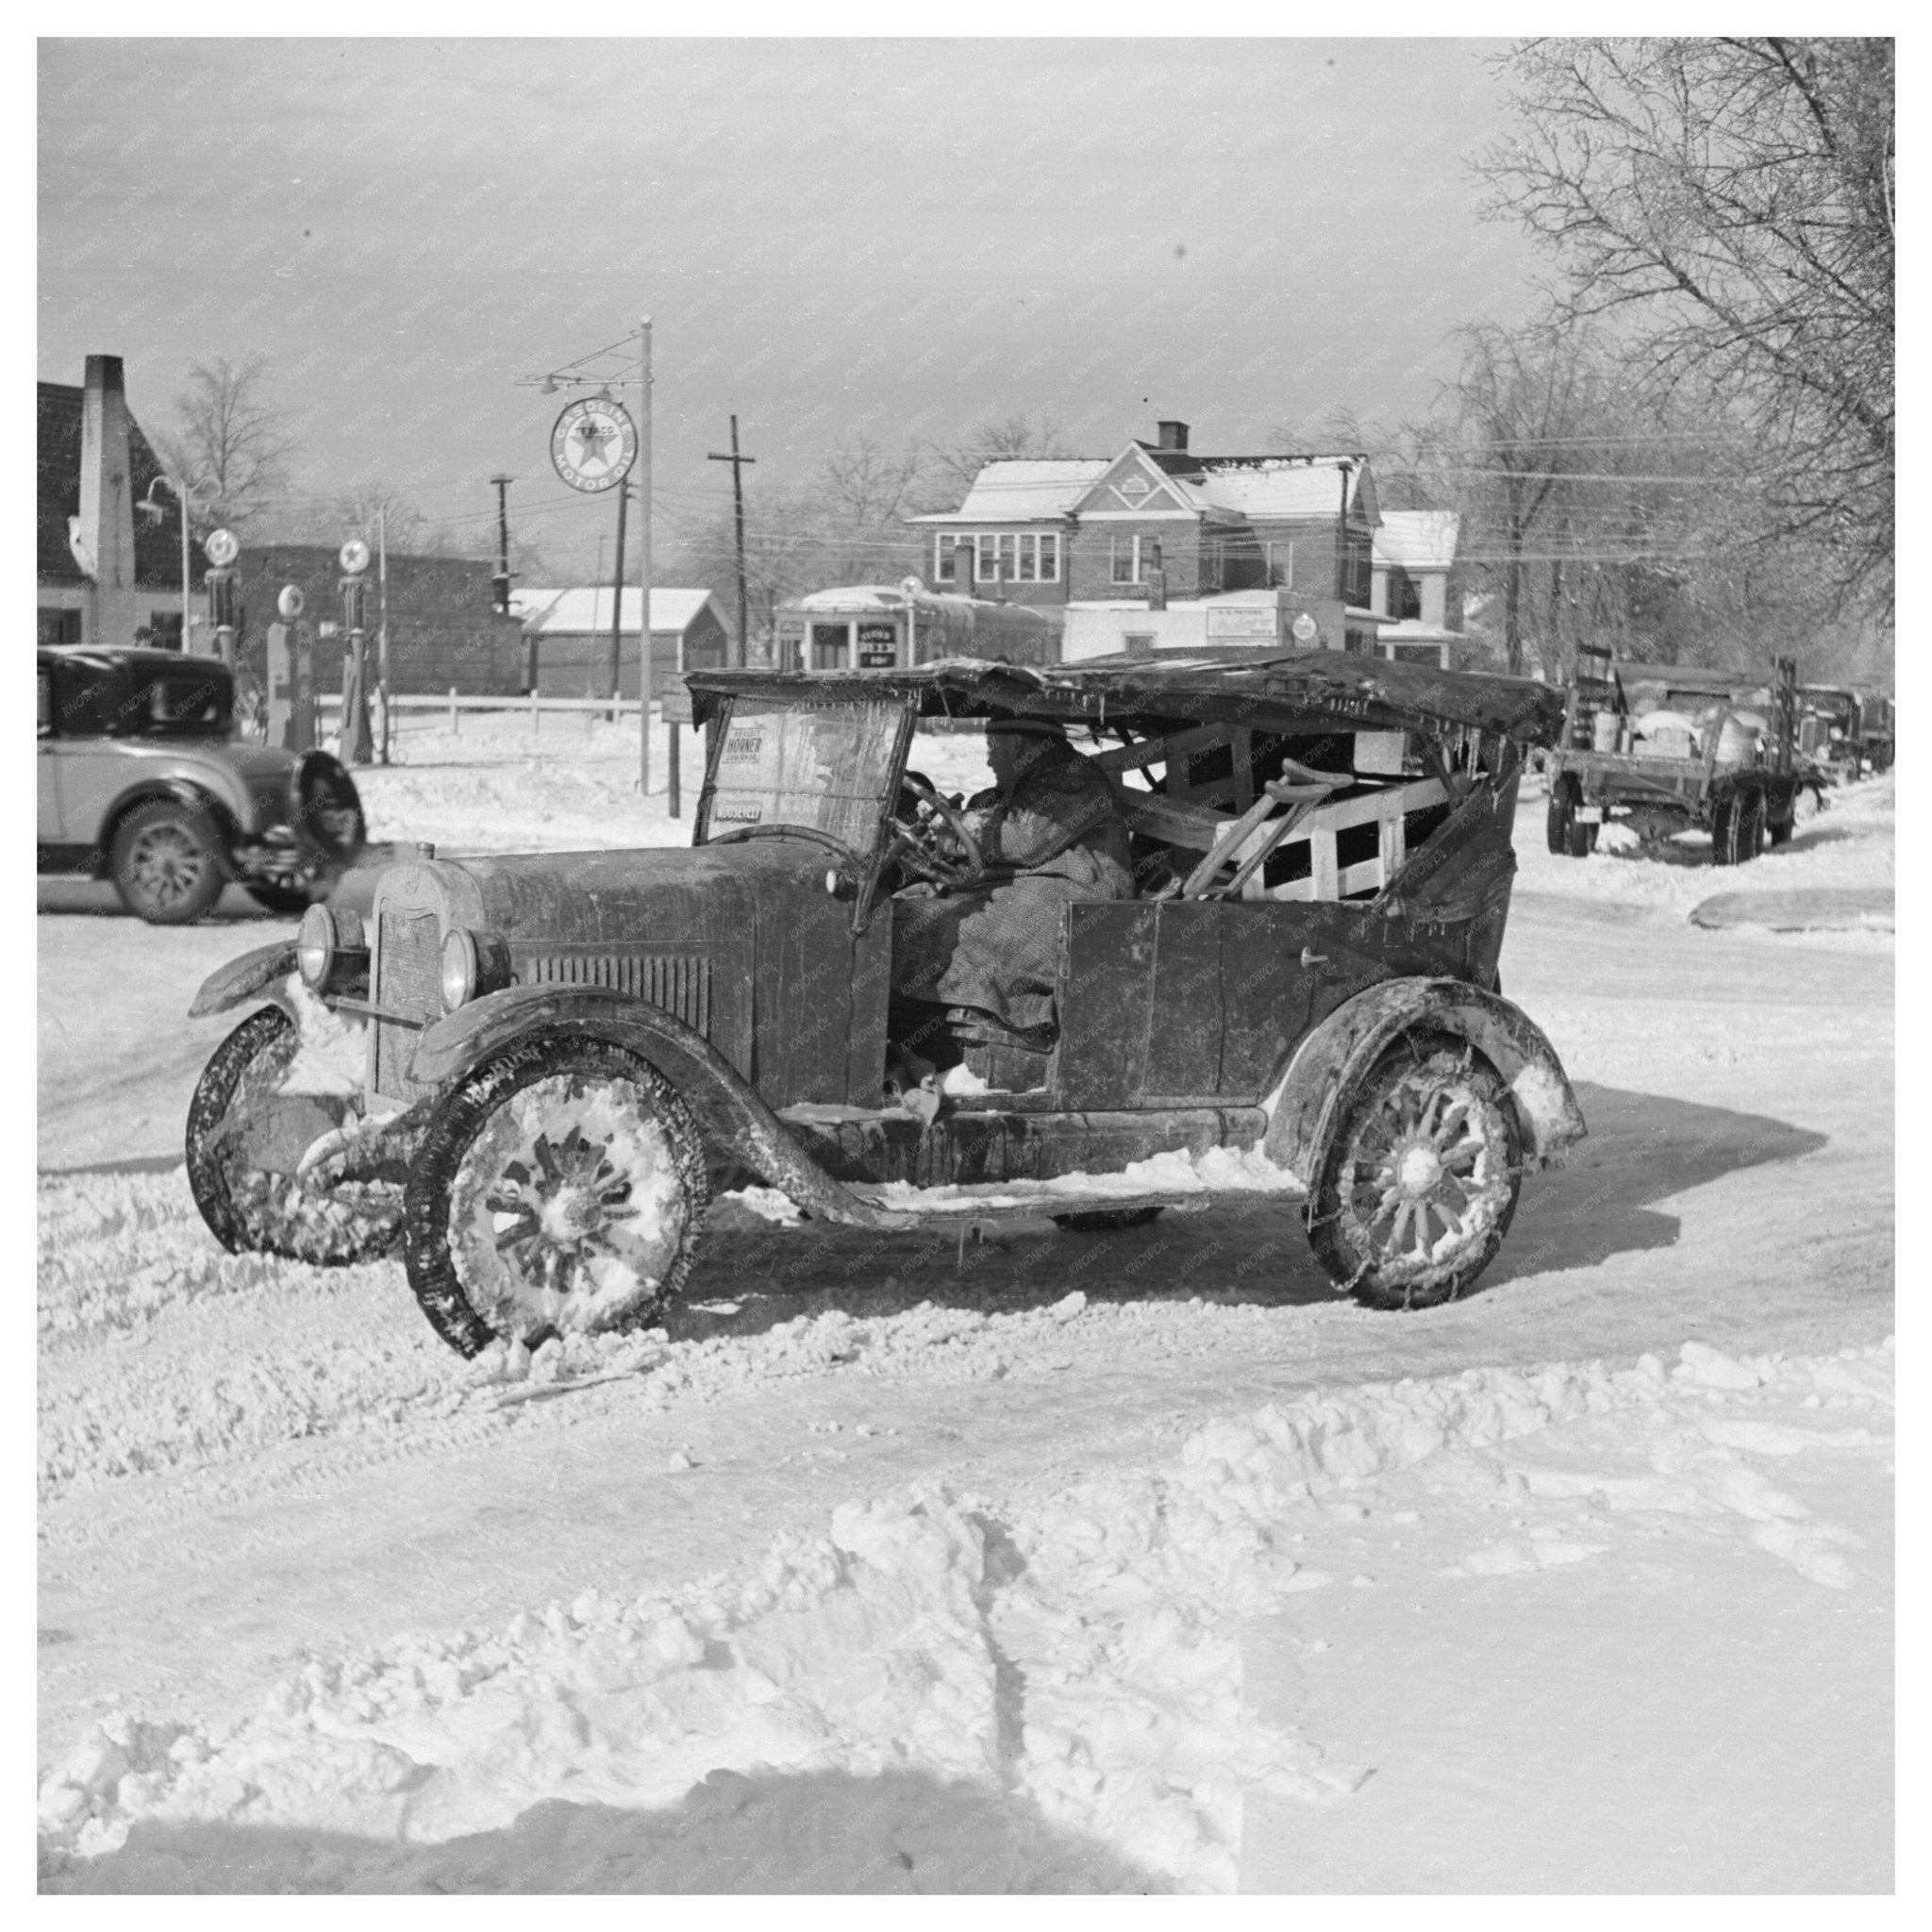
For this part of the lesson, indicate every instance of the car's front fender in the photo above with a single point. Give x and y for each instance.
(263, 972)
(730, 1112)
(1305, 1106)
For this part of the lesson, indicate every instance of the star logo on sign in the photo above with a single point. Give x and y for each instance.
(593, 433)
(593, 444)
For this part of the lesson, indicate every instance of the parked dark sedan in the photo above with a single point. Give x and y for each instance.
(143, 780)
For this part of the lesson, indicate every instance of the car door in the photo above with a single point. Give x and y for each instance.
(1175, 1001)
(48, 828)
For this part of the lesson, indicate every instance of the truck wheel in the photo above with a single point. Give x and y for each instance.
(238, 1113)
(1807, 803)
(1418, 1183)
(1105, 1220)
(166, 862)
(1737, 829)
(1559, 818)
(1582, 837)
(560, 1186)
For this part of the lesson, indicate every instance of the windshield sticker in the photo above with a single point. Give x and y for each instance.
(822, 766)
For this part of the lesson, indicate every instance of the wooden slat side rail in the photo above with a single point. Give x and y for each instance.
(1168, 820)
(1154, 751)
(1327, 878)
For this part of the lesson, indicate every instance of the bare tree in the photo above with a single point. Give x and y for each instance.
(1510, 437)
(229, 442)
(1734, 200)
(951, 467)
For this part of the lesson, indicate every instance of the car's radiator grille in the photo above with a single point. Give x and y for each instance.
(678, 982)
(408, 979)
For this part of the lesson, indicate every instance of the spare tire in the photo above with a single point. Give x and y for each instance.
(324, 811)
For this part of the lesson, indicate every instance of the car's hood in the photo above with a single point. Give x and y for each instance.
(715, 895)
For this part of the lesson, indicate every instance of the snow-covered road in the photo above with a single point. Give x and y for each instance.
(249, 1464)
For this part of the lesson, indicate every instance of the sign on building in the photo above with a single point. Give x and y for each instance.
(1243, 624)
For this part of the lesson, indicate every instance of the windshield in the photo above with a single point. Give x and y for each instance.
(827, 767)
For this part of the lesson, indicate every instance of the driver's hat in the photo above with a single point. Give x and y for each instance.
(1026, 727)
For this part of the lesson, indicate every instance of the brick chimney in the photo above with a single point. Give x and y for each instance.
(1173, 436)
(105, 535)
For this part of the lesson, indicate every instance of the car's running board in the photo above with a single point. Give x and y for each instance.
(900, 1205)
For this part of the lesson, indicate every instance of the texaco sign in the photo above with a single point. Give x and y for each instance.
(593, 444)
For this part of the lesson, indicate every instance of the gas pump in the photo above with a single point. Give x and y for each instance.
(354, 558)
(290, 677)
(221, 550)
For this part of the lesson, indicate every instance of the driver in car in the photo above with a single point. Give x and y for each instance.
(1049, 833)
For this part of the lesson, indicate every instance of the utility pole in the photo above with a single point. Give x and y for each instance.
(738, 463)
(644, 567)
(617, 597)
(502, 577)
(382, 621)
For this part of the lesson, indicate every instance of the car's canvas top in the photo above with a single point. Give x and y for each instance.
(1236, 685)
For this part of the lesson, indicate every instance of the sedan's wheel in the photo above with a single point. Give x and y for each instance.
(245, 1136)
(165, 864)
(560, 1186)
(1418, 1185)
(1105, 1220)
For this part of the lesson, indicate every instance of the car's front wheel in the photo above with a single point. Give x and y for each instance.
(245, 1136)
(560, 1186)
(1419, 1182)
(166, 862)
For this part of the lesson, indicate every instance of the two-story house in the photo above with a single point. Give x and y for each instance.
(1415, 549)
(1159, 521)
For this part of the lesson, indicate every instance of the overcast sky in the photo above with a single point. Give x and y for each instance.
(833, 238)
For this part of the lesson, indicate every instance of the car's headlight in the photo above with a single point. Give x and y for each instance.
(462, 969)
(326, 938)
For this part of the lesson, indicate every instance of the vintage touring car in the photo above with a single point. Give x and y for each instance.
(529, 1073)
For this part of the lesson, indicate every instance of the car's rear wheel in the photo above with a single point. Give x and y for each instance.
(1105, 1220)
(1419, 1182)
(166, 862)
(244, 1137)
(560, 1186)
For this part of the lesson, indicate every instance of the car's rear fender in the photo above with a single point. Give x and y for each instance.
(734, 1119)
(1306, 1102)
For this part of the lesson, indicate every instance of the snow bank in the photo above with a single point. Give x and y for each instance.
(1081, 1656)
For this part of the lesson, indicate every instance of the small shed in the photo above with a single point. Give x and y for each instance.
(568, 634)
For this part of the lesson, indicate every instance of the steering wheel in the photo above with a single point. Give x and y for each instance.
(930, 836)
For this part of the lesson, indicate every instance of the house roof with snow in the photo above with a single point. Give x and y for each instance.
(1418, 539)
(577, 609)
(1144, 480)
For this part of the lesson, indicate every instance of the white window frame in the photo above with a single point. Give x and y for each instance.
(1033, 556)
(1133, 544)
